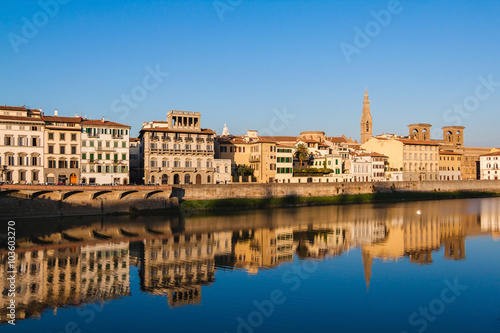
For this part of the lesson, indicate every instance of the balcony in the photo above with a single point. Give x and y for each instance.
(189, 139)
(178, 139)
(200, 140)
(100, 148)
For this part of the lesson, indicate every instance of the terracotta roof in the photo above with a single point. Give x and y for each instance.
(134, 139)
(62, 119)
(31, 119)
(12, 108)
(497, 153)
(97, 122)
(376, 155)
(447, 152)
(417, 142)
(285, 145)
(336, 139)
(280, 138)
(308, 141)
(168, 130)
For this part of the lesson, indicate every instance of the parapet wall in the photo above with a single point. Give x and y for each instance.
(24, 203)
(254, 191)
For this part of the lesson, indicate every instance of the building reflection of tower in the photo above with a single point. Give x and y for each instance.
(180, 265)
(53, 277)
(264, 247)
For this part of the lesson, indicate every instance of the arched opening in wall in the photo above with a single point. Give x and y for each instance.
(176, 179)
(84, 180)
(309, 180)
(152, 179)
(198, 179)
(50, 178)
(187, 179)
(367, 127)
(209, 180)
(73, 179)
(414, 133)
(164, 179)
(125, 181)
(62, 179)
(424, 133)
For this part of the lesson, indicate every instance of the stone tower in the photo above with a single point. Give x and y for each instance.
(366, 120)
(420, 132)
(454, 135)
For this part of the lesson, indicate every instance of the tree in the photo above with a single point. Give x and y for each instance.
(302, 153)
(243, 170)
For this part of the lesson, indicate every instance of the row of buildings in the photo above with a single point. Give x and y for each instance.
(35, 148)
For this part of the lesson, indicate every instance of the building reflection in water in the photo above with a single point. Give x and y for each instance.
(75, 264)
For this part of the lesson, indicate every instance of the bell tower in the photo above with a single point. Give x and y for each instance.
(366, 120)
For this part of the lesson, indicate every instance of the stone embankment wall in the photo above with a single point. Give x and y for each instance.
(17, 204)
(252, 191)
(81, 205)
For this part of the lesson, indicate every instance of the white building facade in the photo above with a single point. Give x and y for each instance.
(21, 145)
(105, 152)
(490, 166)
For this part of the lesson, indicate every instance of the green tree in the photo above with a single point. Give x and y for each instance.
(302, 153)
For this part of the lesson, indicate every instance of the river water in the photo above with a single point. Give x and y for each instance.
(407, 267)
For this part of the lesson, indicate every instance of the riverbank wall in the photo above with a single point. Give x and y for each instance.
(39, 201)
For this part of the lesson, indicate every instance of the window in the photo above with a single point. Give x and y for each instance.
(84, 156)
(116, 144)
(108, 156)
(52, 164)
(124, 157)
(51, 149)
(51, 136)
(34, 142)
(34, 160)
(84, 143)
(21, 160)
(73, 137)
(124, 144)
(7, 141)
(62, 149)
(91, 143)
(99, 156)
(73, 149)
(108, 144)
(62, 136)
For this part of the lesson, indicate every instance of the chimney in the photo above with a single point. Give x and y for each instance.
(102, 120)
(55, 112)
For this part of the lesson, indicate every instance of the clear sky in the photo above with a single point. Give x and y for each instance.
(242, 62)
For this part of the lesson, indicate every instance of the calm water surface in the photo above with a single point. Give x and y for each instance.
(410, 267)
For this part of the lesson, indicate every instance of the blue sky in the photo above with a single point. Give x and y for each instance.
(241, 62)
